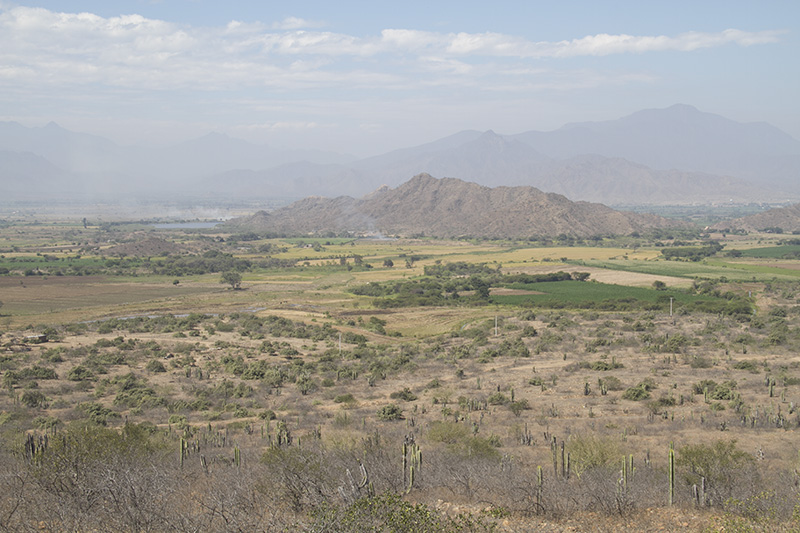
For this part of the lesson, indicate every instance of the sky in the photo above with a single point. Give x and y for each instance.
(364, 78)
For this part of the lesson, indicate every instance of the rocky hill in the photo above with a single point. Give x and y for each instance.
(785, 218)
(452, 208)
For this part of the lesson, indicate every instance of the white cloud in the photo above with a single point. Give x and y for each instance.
(446, 65)
(604, 44)
(410, 39)
(295, 23)
(40, 48)
(496, 44)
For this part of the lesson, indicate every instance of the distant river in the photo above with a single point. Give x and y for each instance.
(186, 225)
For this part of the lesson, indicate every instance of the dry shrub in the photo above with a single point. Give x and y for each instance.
(592, 451)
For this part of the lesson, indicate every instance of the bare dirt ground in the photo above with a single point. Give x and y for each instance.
(793, 265)
(645, 520)
(509, 292)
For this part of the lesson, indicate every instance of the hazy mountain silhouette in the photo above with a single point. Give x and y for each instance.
(682, 137)
(676, 155)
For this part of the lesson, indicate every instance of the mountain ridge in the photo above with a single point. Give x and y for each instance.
(681, 137)
(648, 157)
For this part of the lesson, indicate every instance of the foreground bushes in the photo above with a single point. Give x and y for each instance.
(388, 512)
(86, 477)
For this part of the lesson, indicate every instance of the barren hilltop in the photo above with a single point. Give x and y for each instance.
(783, 219)
(449, 208)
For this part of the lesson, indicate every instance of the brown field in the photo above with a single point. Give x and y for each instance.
(791, 265)
(54, 297)
(501, 290)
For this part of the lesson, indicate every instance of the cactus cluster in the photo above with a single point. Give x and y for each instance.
(565, 458)
(626, 475)
(699, 493)
(35, 445)
(412, 463)
(283, 436)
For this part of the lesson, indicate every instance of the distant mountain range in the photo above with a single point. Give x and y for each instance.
(677, 155)
(682, 137)
(448, 208)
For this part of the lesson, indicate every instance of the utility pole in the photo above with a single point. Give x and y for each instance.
(670, 305)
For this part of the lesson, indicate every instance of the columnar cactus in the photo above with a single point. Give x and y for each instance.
(539, 485)
(412, 463)
(671, 474)
(184, 450)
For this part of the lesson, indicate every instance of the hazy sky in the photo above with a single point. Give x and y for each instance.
(366, 77)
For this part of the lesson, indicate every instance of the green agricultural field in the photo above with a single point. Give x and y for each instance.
(791, 251)
(758, 270)
(710, 268)
(54, 262)
(608, 297)
(322, 241)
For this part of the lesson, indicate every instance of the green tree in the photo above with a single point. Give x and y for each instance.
(481, 287)
(232, 278)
